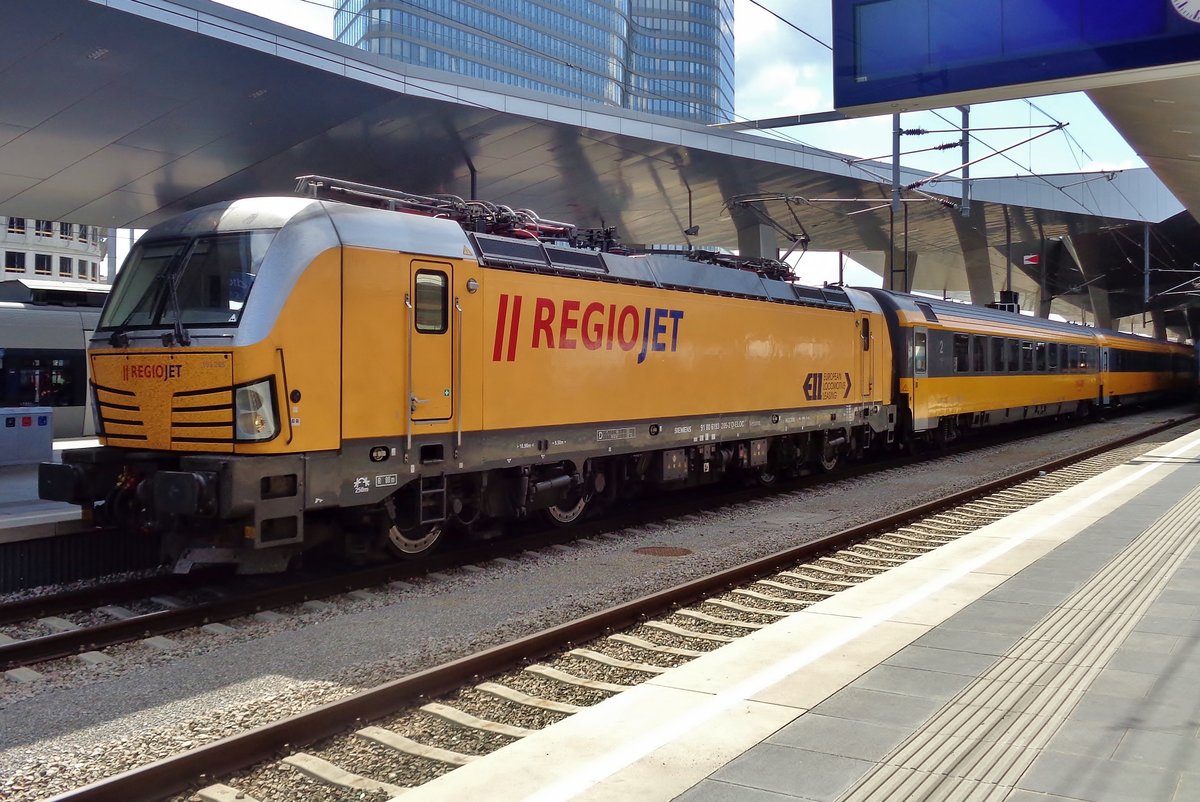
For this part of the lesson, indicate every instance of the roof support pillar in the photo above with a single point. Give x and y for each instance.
(1192, 315)
(1044, 296)
(1097, 294)
(1159, 318)
(977, 256)
(897, 274)
(755, 239)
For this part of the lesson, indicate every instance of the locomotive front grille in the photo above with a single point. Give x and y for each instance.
(168, 400)
(118, 415)
(202, 416)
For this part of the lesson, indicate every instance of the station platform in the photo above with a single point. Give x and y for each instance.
(23, 516)
(1053, 655)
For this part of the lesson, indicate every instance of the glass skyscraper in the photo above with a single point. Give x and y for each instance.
(668, 57)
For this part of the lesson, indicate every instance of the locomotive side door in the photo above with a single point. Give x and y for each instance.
(866, 359)
(430, 338)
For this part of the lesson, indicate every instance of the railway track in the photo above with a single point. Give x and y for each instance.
(88, 620)
(411, 739)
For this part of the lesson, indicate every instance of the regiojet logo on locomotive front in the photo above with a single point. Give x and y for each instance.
(571, 324)
(152, 372)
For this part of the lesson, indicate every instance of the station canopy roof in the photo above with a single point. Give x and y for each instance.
(120, 114)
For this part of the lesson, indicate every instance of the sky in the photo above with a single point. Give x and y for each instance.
(780, 71)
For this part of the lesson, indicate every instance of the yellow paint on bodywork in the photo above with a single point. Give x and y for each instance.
(375, 334)
(719, 355)
(306, 338)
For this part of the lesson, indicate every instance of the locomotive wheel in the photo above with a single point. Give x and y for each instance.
(828, 459)
(766, 477)
(412, 544)
(567, 511)
(409, 540)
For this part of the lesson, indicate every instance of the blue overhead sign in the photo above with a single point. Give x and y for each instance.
(903, 54)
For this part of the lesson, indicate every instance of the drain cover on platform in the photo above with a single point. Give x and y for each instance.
(663, 551)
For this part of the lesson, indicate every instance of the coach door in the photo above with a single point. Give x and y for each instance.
(431, 342)
(920, 362)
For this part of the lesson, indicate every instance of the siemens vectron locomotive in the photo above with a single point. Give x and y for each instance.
(396, 370)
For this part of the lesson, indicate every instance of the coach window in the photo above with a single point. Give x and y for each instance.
(998, 364)
(962, 353)
(1041, 358)
(1052, 357)
(1026, 356)
(432, 302)
(1012, 355)
(978, 354)
(1073, 358)
(47, 378)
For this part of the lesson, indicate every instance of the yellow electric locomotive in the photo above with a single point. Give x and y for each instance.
(271, 371)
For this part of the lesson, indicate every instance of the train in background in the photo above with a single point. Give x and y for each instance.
(390, 371)
(45, 325)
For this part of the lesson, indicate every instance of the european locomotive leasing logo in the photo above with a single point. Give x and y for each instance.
(156, 372)
(569, 324)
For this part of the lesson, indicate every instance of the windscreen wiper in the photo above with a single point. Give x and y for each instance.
(172, 279)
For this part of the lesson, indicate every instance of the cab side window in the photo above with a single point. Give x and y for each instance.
(431, 305)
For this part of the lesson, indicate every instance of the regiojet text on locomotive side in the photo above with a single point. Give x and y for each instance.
(590, 326)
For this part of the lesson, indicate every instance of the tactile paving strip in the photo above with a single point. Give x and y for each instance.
(981, 742)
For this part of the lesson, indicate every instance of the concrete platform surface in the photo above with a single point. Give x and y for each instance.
(23, 516)
(1054, 655)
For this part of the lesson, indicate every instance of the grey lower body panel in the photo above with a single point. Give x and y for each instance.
(367, 479)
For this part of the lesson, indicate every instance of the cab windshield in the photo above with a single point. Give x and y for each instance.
(203, 281)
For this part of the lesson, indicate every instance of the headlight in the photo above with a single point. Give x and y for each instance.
(254, 410)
